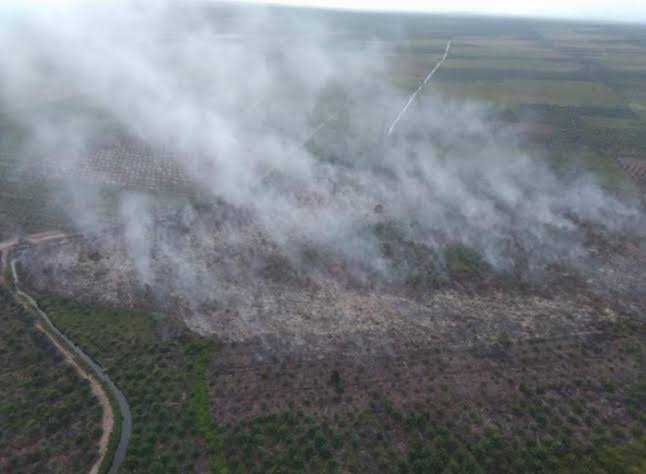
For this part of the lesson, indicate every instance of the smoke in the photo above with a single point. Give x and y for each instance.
(275, 114)
(138, 230)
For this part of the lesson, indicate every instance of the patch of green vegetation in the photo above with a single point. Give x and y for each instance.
(290, 442)
(384, 439)
(200, 405)
(336, 382)
(478, 48)
(388, 231)
(636, 97)
(460, 259)
(610, 122)
(50, 420)
(525, 91)
(533, 423)
(628, 458)
(28, 206)
(622, 62)
(159, 366)
(604, 168)
(513, 64)
(115, 436)
(640, 108)
(573, 34)
(420, 45)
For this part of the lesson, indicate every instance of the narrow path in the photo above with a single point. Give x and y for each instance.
(419, 89)
(108, 419)
(303, 143)
(107, 422)
(317, 129)
(7, 245)
(4, 250)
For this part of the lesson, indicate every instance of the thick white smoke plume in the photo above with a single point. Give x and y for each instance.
(284, 117)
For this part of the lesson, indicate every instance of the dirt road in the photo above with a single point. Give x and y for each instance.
(32, 239)
(4, 249)
(107, 421)
(60, 341)
(419, 89)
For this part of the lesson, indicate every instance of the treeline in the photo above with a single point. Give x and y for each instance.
(448, 74)
(554, 113)
(571, 128)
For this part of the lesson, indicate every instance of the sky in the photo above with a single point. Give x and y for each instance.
(603, 10)
(618, 10)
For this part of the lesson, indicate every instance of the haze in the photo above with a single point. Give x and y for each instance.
(574, 9)
(249, 238)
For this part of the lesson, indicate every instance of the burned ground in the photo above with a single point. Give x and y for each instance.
(509, 407)
(357, 370)
(239, 285)
(636, 168)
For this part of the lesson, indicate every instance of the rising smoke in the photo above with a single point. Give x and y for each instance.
(274, 114)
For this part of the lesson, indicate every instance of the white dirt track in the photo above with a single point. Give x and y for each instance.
(419, 89)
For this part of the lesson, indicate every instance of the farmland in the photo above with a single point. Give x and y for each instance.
(580, 84)
(50, 419)
(537, 404)
(574, 67)
(465, 294)
(159, 386)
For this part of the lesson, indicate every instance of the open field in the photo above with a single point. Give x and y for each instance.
(559, 64)
(468, 66)
(532, 92)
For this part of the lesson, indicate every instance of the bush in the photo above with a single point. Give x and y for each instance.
(460, 259)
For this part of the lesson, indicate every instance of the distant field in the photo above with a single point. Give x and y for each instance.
(515, 64)
(507, 64)
(510, 92)
(611, 123)
(583, 85)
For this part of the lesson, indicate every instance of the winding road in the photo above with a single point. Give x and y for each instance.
(98, 372)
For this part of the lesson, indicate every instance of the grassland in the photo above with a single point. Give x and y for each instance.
(50, 421)
(533, 63)
(539, 64)
(529, 91)
(611, 122)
